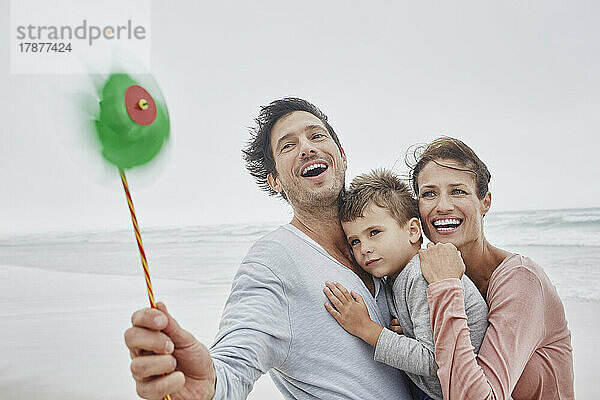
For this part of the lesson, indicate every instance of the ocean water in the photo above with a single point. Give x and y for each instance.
(566, 243)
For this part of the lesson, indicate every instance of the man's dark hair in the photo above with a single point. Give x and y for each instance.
(258, 155)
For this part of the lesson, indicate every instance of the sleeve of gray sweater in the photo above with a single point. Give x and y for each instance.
(248, 346)
(413, 353)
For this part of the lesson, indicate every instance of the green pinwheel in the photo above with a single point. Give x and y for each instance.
(132, 128)
(133, 125)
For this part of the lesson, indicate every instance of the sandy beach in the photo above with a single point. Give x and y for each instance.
(62, 333)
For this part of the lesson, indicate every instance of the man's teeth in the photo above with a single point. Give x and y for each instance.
(313, 166)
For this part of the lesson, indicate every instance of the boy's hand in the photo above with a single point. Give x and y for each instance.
(395, 326)
(351, 313)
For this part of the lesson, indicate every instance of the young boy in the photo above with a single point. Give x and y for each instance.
(381, 221)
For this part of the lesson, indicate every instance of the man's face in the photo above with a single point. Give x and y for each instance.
(310, 168)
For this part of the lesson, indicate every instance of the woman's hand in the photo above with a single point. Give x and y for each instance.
(351, 313)
(441, 261)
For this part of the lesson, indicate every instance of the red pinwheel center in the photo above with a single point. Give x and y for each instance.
(140, 105)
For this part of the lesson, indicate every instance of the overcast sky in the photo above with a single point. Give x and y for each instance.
(517, 81)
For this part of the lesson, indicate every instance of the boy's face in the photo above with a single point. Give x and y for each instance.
(380, 245)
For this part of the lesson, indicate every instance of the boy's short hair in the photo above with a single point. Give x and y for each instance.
(382, 188)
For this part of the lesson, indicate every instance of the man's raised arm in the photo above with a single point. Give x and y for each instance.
(166, 359)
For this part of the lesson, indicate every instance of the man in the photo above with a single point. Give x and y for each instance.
(274, 319)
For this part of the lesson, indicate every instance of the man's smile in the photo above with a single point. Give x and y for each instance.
(314, 170)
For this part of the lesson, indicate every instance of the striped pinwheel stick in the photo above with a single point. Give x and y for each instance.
(138, 238)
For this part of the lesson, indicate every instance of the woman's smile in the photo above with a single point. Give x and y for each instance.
(446, 225)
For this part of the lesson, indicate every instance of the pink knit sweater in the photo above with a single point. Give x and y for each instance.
(526, 351)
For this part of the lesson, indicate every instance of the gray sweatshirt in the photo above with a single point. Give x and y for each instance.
(275, 321)
(413, 351)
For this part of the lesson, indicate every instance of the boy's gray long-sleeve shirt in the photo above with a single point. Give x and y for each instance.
(413, 350)
(275, 321)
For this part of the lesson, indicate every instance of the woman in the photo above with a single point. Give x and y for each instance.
(526, 352)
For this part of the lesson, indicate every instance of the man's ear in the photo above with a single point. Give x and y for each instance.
(414, 230)
(486, 203)
(274, 183)
(344, 159)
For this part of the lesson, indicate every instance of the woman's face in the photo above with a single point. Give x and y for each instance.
(448, 204)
